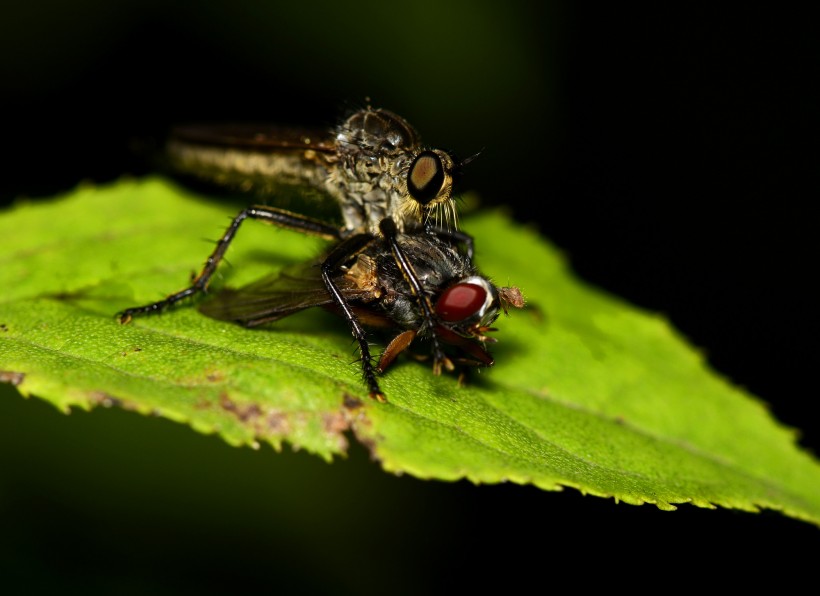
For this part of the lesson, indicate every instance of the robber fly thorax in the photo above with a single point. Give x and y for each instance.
(373, 166)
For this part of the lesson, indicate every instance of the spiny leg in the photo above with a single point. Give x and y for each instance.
(390, 233)
(279, 217)
(340, 253)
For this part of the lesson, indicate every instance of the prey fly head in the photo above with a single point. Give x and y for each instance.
(469, 307)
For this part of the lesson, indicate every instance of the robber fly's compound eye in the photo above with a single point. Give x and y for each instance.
(426, 177)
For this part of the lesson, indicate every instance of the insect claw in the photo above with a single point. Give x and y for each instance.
(440, 361)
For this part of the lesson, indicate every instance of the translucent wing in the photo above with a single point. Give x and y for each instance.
(289, 166)
(277, 296)
(260, 137)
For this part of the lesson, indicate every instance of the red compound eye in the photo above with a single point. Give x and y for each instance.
(460, 302)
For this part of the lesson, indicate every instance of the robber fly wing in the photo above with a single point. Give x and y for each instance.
(260, 137)
(289, 165)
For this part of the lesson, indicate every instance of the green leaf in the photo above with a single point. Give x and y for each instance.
(588, 392)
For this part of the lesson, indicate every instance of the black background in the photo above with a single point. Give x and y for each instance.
(671, 153)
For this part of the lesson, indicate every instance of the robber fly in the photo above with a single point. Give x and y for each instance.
(386, 185)
(376, 292)
(372, 165)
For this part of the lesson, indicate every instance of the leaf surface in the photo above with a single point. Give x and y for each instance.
(587, 391)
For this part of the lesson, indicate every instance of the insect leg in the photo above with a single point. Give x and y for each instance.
(390, 233)
(340, 253)
(396, 346)
(279, 217)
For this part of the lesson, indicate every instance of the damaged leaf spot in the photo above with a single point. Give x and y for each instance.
(351, 402)
(8, 376)
(106, 400)
(278, 422)
(336, 423)
(264, 422)
(249, 412)
(131, 351)
(215, 377)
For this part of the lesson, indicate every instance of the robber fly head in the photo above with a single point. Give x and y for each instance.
(387, 172)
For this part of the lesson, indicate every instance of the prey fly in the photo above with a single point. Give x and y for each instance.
(377, 295)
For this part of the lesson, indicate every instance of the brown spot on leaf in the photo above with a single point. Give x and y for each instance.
(336, 423)
(355, 419)
(245, 413)
(351, 402)
(106, 400)
(101, 398)
(263, 423)
(215, 376)
(269, 422)
(278, 422)
(226, 402)
(370, 445)
(9, 376)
